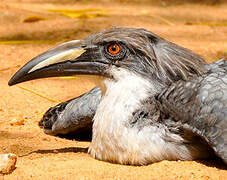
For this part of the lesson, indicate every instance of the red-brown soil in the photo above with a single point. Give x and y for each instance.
(201, 28)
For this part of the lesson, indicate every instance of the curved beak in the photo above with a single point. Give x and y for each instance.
(70, 58)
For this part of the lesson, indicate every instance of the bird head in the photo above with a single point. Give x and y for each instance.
(136, 50)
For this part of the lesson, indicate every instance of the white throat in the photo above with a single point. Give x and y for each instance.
(122, 97)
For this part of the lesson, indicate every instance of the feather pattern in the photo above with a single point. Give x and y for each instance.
(200, 106)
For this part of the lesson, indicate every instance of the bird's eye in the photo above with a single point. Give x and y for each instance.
(114, 49)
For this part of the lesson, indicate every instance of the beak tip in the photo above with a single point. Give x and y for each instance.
(12, 82)
(18, 77)
(15, 79)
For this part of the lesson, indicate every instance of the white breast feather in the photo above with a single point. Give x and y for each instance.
(113, 140)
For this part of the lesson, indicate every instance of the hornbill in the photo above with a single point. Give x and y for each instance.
(160, 102)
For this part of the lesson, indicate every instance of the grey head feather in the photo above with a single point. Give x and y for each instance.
(153, 56)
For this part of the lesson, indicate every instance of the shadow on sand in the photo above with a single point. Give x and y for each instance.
(213, 163)
(56, 151)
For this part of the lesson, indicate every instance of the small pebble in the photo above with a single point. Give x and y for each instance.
(45, 138)
(7, 163)
(17, 121)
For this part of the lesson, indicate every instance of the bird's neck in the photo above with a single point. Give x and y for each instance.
(123, 96)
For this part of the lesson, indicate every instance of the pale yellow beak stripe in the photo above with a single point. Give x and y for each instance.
(69, 54)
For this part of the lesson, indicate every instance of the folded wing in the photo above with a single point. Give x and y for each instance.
(200, 106)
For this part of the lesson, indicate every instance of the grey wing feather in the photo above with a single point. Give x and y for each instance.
(73, 115)
(200, 105)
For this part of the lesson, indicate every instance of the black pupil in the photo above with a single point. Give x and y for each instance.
(114, 48)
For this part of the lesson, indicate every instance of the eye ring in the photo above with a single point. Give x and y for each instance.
(115, 51)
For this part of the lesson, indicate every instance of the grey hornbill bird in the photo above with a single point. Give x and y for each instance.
(160, 102)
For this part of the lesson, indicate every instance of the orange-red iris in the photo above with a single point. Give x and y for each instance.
(114, 49)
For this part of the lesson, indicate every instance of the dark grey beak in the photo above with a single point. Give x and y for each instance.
(67, 59)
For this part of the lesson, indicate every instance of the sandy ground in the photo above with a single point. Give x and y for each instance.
(200, 28)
